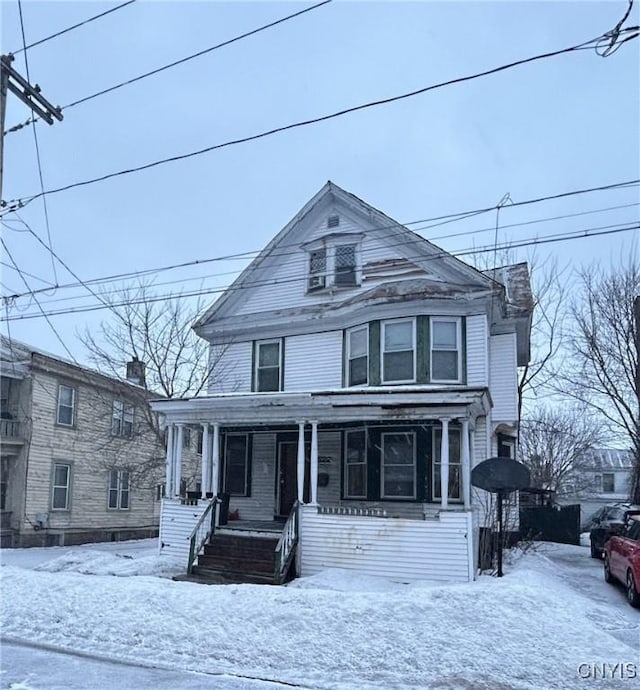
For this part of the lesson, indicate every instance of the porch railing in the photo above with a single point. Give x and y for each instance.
(346, 510)
(9, 428)
(286, 546)
(204, 529)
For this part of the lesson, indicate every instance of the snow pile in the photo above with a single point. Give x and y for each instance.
(105, 563)
(337, 630)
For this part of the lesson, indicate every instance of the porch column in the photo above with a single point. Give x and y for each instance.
(169, 470)
(215, 460)
(466, 465)
(178, 461)
(206, 461)
(444, 463)
(314, 463)
(300, 462)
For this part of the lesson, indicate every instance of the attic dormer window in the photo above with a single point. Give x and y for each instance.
(333, 261)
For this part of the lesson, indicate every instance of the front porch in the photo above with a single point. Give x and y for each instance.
(383, 489)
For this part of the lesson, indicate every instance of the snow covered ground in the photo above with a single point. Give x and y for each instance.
(122, 623)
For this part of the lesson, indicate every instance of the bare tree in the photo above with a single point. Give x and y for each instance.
(177, 363)
(602, 367)
(556, 446)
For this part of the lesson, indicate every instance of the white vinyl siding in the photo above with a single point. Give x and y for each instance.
(313, 362)
(477, 350)
(231, 368)
(176, 523)
(503, 378)
(396, 548)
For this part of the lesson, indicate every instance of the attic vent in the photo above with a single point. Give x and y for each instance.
(333, 221)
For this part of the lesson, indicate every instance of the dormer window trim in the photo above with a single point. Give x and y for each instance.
(326, 262)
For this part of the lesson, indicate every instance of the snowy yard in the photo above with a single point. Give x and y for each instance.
(544, 625)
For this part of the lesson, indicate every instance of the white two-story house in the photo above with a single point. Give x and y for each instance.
(367, 371)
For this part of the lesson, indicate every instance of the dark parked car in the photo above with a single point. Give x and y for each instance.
(622, 558)
(605, 523)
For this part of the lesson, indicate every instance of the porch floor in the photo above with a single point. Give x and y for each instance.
(266, 526)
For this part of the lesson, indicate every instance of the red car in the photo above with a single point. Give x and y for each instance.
(622, 558)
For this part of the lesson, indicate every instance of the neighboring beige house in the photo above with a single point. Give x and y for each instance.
(79, 461)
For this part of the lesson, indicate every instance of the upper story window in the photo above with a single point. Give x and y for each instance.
(398, 351)
(121, 419)
(66, 405)
(357, 356)
(333, 261)
(445, 350)
(268, 365)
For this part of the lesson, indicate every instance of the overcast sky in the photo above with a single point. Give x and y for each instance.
(565, 123)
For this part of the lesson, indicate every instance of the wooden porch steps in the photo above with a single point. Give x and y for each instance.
(234, 559)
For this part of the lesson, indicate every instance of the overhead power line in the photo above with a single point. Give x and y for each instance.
(71, 28)
(323, 118)
(561, 237)
(435, 221)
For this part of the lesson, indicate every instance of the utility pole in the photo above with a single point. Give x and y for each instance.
(10, 80)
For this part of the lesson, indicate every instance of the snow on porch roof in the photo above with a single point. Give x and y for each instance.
(326, 406)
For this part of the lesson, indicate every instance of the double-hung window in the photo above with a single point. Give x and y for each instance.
(455, 466)
(445, 350)
(60, 486)
(268, 366)
(398, 351)
(118, 490)
(398, 465)
(317, 269)
(355, 476)
(66, 405)
(122, 419)
(236, 461)
(357, 356)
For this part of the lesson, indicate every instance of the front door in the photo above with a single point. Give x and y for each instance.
(288, 477)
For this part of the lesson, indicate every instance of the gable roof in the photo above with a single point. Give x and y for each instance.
(415, 248)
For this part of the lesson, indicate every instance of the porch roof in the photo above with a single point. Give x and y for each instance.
(341, 405)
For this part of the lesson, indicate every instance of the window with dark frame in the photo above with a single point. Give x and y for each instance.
(317, 269)
(66, 405)
(268, 366)
(398, 465)
(122, 418)
(355, 477)
(398, 351)
(345, 265)
(608, 482)
(358, 356)
(60, 488)
(118, 490)
(237, 464)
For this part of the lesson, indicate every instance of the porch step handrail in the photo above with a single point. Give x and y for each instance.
(286, 546)
(202, 532)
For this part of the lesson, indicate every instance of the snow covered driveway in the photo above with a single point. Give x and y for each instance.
(543, 625)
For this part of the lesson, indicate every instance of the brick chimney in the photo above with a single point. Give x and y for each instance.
(136, 372)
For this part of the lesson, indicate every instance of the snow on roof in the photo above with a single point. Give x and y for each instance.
(611, 459)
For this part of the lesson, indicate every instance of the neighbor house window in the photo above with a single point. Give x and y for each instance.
(608, 482)
(398, 351)
(268, 365)
(445, 350)
(355, 476)
(236, 460)
(118, 490)
(358, 356)
(122, 419)
(60, 488)
(317, 269)
(398, 465)
(455, 467)
(66, 405)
